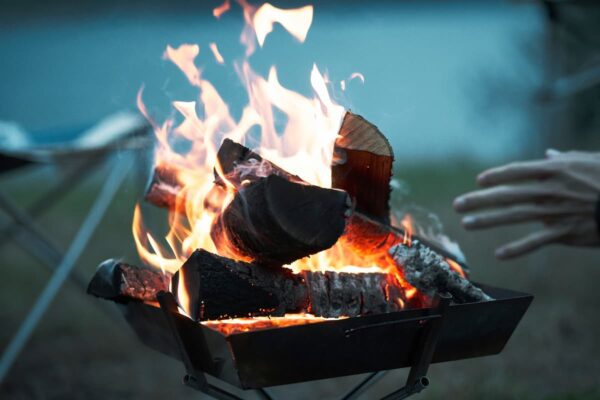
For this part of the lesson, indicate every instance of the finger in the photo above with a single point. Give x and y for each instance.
(552, 153)
(530, 243)
(521, 213)
(505, 195)
(517, 171)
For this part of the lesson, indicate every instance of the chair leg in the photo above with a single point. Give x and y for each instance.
(94, 217)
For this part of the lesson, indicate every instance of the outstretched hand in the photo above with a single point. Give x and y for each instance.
(561, 191)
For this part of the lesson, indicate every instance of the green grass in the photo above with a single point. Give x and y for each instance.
(80, 351)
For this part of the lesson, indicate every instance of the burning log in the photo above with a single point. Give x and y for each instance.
(274, 221)
(218, 287)
(363, 159)
(365, 236)
(431, 274)
(118, 281)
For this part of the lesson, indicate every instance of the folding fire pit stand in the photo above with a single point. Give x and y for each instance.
(417, 377)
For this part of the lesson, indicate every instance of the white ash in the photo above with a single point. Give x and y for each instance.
(430, 273)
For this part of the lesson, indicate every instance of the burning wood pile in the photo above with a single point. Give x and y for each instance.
(291, 241)
(274, 218)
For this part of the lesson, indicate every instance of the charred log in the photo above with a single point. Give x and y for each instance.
(273, 221)
(431, 274)
(219, 287)
(118, 281)
(363, 159)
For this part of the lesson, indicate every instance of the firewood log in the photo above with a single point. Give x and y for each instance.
(218, 287)
(363, 159)
(274, 221)
(118, 281)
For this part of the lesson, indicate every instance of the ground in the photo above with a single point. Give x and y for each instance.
(82, 349)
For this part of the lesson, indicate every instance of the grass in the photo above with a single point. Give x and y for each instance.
(80, 351)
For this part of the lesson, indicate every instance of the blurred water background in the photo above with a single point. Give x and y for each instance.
(424, 65)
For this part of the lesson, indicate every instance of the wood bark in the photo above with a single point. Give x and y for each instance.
(362, 166)
(219, 287)
(274, 221)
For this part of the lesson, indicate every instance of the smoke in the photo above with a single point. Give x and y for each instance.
(426, 224)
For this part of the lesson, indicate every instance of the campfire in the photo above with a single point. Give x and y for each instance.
(284, 250)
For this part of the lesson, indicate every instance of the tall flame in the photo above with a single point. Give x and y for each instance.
(303, 146)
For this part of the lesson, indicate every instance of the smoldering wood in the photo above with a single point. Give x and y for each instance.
(273, 221)
(431, 274)
(335, 294)
(218, 287)
(362, 166)
(119, 281)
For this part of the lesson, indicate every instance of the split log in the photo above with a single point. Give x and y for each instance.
(274, 221)
(431, 274)
(219, 287)
(362, 166)
(118, 281)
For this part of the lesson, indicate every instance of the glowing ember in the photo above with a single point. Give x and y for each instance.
(456, 267)
(239, 325)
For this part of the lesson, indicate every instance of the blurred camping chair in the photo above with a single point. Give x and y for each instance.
(111, 143)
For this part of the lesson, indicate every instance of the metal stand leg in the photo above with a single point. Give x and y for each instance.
(364, 385)
(417, 377)
(25, 231)
(194, 378)
(113, 182)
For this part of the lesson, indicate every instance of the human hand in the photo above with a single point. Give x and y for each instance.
(561, 191)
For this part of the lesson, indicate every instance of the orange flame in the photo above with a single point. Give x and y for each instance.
(303, 146)
(357, 75)
(407, 224)
(297, 21)
(456, 267)
(215, 50)
(183, 296)
(222, 9)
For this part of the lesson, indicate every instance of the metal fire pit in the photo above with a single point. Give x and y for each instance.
(278, 356)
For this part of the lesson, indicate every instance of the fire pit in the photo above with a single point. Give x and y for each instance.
(284, 262)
